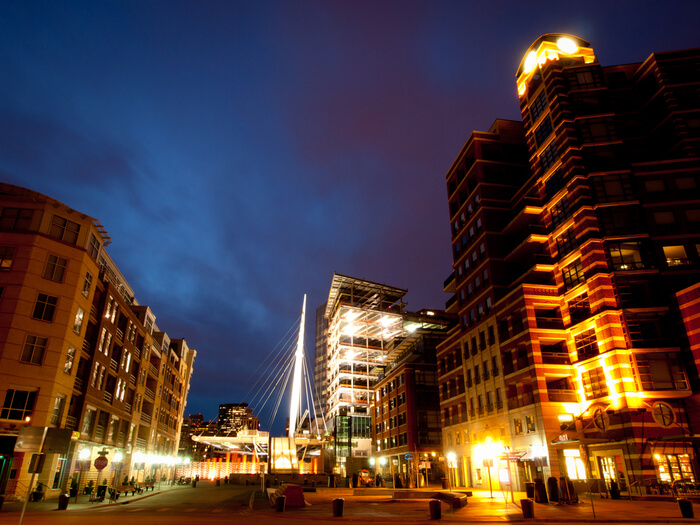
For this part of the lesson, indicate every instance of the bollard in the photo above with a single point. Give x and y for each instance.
(338, 507)
(435, 509)
(686, 507)
(553, 489)
(530, 490)
(194, 483)
(445, 483)
(63, 500)
(528, 507)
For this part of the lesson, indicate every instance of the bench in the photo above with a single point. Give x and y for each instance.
(148, 485)
(456, 499)
(126, 489)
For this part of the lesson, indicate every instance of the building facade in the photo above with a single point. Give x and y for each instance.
(601, 236)
(407, 426)
(234, 417)
(79, 357)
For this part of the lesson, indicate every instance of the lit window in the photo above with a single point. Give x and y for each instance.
(7, 254)
(675, 255)
(87, 283)
(626, 255)
(573, 274)
(586, 344)
(79, 317)
(70, 357)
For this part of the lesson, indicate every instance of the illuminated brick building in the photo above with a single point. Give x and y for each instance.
(584, 259)
(78, 355)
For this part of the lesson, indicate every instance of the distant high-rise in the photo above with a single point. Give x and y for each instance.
(234, 417)
(320, 363)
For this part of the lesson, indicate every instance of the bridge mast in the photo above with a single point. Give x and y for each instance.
(296, 385)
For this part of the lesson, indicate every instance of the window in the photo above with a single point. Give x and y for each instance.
(676, 256)
(7, 255)
(64, 229)
(626, 255)
(597, 129)
(565, 242)
(661, 371)
(573, 274)
(58, 405)
(692, 215)
(663, 414)
(78, 324)
(543, 131)
(16, 219)
(664, 218)
(539, 105)
(87, 283)
(18, 404)
(594, 385)
(549, 156)
(55, 268)
(579, 308)
(88, 421)
(70, 357)
(685, 183)
(654, 186)
(33, 351)
(586, 344)
(517, 426)
(560, 212)
(554, 183)
(94, 247)
(613, 188)
(45, 307)
(530, 423)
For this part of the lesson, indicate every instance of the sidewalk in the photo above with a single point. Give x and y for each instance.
(84, 501)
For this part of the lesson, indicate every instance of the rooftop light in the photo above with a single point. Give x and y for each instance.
(566, 45)
(530, 62)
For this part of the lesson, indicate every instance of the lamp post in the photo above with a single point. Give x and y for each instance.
(451, 464)
(117, 466)
(83, 461)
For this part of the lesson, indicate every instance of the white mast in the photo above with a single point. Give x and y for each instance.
(296, 385)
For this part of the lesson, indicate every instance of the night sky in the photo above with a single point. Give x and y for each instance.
(239, 153)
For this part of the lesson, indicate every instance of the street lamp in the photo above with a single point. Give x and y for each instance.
(451, 463)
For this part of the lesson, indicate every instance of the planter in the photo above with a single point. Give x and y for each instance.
(36, 496)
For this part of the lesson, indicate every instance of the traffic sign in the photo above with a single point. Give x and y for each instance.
(101, 462)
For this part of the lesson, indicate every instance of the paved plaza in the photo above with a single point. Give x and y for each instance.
(381, 506)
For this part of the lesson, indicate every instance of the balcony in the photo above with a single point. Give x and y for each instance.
(551, 323)
(486, 375)
(521, 401)
(499, 404)
(489, 407)
(71, 423)
(132, 380)
(127, 408)
(149, 394)
(141, 443)
(549, 358)
(113, 365)
(99, 433)
(562, 396)
(153, 370)
(108, 397)
(120, 335)
(86, 347)
(78, 385)
(472, 413)
(145, 418)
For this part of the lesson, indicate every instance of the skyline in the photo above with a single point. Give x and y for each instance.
(239, 155)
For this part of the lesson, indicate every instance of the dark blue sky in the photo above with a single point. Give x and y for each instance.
(239, 153)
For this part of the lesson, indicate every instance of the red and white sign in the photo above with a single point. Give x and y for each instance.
(100, 462)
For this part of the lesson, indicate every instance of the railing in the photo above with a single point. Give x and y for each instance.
(499, 404)
(552, 323)
(113, 365)
(149, 394)
(555, 359)
(562, 396)
(71, 422)
(99, 433)
(520, 401)
(78, 384)
(495, 371)
(132, 380)
(108, 397)
(86, 347)
(127, 408)
(152, 369)
(120, 335)
(146, 418)
(489, 407)
(472, 412)
(486, 375)
(140, 443)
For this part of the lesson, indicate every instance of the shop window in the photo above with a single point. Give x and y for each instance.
(672, 467)
(575, 468)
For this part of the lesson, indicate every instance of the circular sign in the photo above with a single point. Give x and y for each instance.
(409, 456)
(101, 462)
